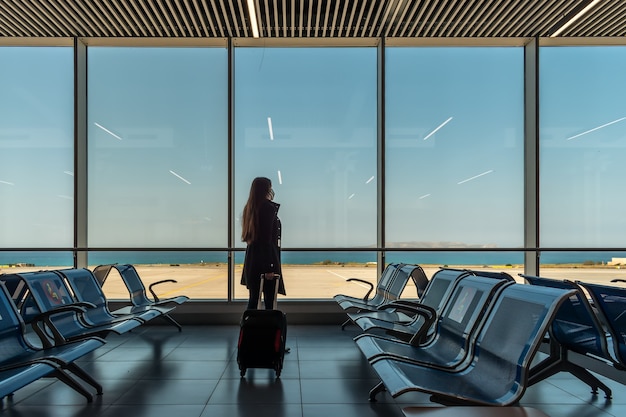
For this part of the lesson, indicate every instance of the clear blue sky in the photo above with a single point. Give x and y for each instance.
(307, 118)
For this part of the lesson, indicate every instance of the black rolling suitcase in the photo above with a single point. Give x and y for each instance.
(262, 339)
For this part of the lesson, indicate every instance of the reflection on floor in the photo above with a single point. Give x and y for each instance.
(159, 372)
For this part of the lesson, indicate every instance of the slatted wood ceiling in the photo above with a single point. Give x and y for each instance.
(310, 18)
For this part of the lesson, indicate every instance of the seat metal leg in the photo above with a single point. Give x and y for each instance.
(73, 383)
(172, 321)
(78, 371)
(376, 390)
(346, 323)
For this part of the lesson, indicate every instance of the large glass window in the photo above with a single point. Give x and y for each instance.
(158, 140)
(582, 147)
(600, 267)
(510, 262)
(306, 118)
(454, 132)
(21, 261)
(320, 274)
(197, 274)
(36, 147)
(158, 159)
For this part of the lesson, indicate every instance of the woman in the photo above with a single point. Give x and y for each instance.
(260, 229)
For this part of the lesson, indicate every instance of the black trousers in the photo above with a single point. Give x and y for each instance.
(269, 292)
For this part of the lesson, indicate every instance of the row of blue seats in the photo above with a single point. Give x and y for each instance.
(389, 288)
(591, 323)
(69, 313)
(471, 341)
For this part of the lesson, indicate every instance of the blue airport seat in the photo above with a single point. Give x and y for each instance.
(432, 300)
(576, 328)
(381, 296)
(86, 289)
(391, 294)
(505, 345)
(21, 363)
(423, 313)
(47, 304)
(455, 329)
(610, 303)
(137, 291)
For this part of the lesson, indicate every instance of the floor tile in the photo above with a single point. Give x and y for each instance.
(352, 410)
(337, 391)
(338, 369)
(257, 390)
(253, 410)
(153, 410)
(169, 391)
(157, 371)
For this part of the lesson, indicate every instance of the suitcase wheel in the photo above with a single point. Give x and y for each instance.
(242, 372)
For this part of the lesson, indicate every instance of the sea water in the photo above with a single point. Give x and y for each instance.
(55, 258)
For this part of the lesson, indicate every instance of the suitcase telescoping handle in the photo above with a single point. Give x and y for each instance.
(259, 303)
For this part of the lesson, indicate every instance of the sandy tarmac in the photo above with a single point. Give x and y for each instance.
(209, 281)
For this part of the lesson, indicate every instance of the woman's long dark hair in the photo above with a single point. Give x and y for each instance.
(249, 220)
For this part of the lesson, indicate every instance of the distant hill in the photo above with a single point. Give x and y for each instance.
(440, 245)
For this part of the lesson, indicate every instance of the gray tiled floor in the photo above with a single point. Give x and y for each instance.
(157, 371)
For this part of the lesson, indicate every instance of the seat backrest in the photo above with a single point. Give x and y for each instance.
(398, 282)
(134, 284)
(15, 286)
(48, 289)
(414, 273)
(576, 326)
(435, 296)
(509, 338)
(384, 282)
(101, 272)
(492, 274)
(386, 279)
(610, 302)
(84, 285)
(440, 286)
(420, 280)
(12, 343)
(86, 289)
(470, 301)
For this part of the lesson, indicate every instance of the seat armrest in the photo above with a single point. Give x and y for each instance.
(21, 364)
(366, 297)
(43, 321)
(156, 299)
(429, 313)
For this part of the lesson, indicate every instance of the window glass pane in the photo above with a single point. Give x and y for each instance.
(36, 147)
(198, 274)
(595, 267)
(19, 261)
(158, 131)
(454, 126)
(466, 259)
(306, 119)
(582, 146)
(319, 274)
(511, 263)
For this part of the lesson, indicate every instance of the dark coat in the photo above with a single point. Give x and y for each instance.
(263, 255)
